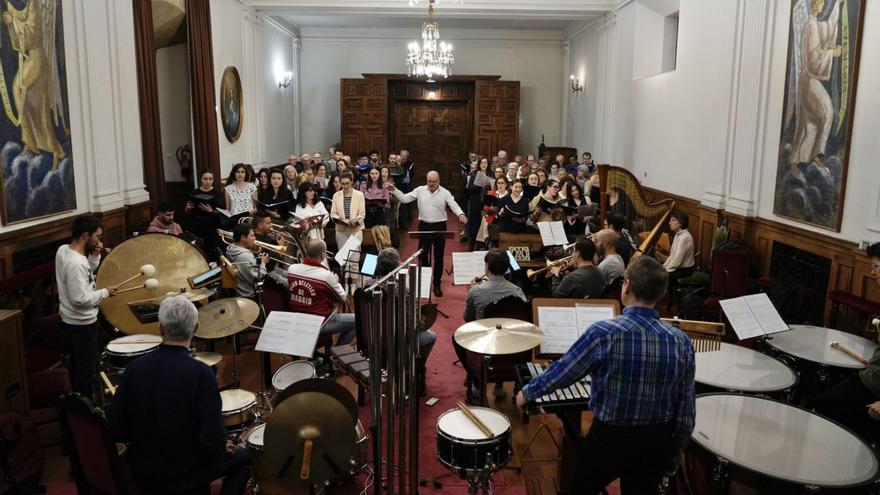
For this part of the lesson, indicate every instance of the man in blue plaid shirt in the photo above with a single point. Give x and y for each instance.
(642, 397)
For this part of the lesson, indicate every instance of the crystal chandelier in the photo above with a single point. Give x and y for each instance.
(434, 57)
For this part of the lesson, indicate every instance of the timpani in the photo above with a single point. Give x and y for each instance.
(808, 347)
(743, 443)
(734, 368)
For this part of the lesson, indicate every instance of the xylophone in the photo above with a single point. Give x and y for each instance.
(575, 397)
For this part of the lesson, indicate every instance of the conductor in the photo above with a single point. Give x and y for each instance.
(432, 201)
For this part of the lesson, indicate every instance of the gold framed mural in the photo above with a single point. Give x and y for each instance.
(231, 104)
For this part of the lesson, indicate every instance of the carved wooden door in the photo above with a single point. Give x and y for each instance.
(497, 117)
(364, 115)
(436, 135)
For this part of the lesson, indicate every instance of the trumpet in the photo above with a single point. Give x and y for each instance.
(533, 274)
(276, 253)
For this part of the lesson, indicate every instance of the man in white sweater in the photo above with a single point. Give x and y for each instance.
(75, 264)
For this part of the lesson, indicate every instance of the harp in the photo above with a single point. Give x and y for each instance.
(645, 219)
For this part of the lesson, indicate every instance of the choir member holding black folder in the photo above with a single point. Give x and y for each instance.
(203, 218)
(513, 210)
(277, 199)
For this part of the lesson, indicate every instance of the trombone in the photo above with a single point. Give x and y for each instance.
(533, 274)
(275, 252)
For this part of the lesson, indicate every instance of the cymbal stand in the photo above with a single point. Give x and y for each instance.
(265, 357)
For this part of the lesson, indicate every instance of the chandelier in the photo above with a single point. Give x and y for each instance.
(434, 57)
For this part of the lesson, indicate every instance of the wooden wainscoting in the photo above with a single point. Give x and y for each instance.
(850, 267)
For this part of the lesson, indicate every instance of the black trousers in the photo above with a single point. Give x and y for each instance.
(846, 403)
(438, 247)
(638, 455)
(83, 357)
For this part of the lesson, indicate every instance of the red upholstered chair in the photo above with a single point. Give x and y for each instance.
(730, 278)
(47, 376)
(499, 369)
(94, 459)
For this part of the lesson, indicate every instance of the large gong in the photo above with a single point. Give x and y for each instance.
(175, 260)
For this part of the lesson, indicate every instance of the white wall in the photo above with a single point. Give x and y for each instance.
(104, 118)
(259, 48)
(532, 57)
(175, 115)
(710, 129)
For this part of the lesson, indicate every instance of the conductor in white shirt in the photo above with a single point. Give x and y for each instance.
(432, 201)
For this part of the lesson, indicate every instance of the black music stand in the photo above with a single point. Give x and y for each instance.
(432, 235)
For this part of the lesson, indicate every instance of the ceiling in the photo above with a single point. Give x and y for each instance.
(467, 14)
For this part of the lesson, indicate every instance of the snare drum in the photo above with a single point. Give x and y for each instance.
(253, 439)
(120, 352)
(462, 446)
(291, 373)
(740, 369)
(757, 445)
(238, 408)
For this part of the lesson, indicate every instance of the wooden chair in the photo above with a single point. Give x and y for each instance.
(500, 369)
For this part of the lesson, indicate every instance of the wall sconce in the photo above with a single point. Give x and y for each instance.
(576, 86)
(285, 80)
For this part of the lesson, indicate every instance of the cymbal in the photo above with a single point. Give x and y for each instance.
(174, 260)
(225, 317)
(307, 416)
(209, 358)
(497, 336)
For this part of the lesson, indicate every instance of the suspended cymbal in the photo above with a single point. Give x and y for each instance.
(209, 358)
(225, 317)
(174, 260)
(499, 336)
(313, 417)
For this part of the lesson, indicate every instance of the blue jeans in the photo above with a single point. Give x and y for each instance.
(341, 323)
(235, 471)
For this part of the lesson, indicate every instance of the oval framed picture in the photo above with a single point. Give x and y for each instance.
(231, 104)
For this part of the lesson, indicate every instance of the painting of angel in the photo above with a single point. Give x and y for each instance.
(822, 71)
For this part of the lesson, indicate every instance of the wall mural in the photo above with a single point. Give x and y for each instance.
(822, 72)
(36, 158)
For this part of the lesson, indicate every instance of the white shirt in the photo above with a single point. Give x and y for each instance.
(76, 286)
(432, 205)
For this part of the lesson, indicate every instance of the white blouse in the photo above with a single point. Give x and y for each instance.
(240, 200)
(309, 211)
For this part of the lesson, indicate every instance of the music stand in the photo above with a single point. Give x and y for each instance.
(430, 236)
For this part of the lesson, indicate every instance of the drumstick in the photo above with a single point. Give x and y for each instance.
(149, 284)
(473, 417)
(837, 345)
(307, 460)
(110, 387)
(145, 271)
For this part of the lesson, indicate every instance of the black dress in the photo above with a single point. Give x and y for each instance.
(280, 203)
(474, 198)
(514, 211)
(205, 224)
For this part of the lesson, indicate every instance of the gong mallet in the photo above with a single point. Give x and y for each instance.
(145, 271)
(149, 284)
(840, 347)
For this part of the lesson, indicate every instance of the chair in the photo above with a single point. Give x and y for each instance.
(94, 460)
(701, 278)
(730, 278)
(612, 290)
(499, 369)
(47, 374)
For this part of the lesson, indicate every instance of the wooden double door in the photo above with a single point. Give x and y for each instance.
(439, 133)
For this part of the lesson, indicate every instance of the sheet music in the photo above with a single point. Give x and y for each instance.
(468, 266)
(560, 328)
(290, 333)
(425, 288)
(587, 314)
(225, 212)
(552, 233)
(766, 314)
(752, 316)
(352, 244)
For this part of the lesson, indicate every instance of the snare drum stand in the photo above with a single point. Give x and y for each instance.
(265, 357)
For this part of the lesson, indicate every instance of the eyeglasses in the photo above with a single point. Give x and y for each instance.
(346, 183)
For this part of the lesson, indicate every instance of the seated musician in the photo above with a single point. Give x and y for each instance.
(513, 210)
(387, 260)
(542, 206)
(164, 223)
(680, 261)
(316, 290)
(168, 410)
(262, 225)
(855, 401)
(612, 265)
(585, 280)
(495, 288)
(625, 246)
(241, 254)
(642, 397)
